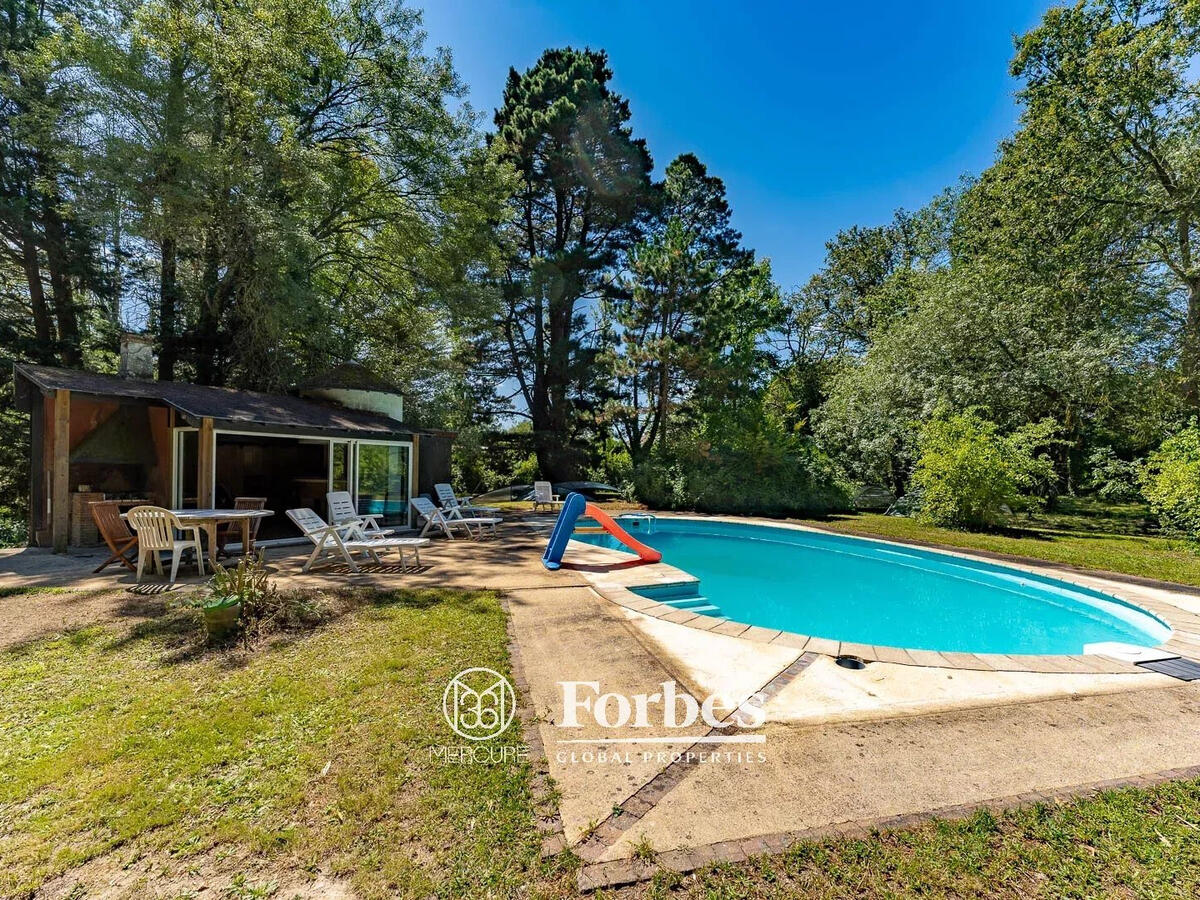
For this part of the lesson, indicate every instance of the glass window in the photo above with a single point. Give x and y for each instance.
(187, 469)
(291, 473)
(383, 482)
(340, 468)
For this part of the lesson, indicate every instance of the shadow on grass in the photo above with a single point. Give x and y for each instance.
(177, 633)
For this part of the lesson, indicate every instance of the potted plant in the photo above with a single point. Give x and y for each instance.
(236, 598)
(221, 614)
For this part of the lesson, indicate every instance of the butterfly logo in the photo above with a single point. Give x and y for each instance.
(479, 704)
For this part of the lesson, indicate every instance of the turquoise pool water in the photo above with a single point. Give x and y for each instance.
(871, 592)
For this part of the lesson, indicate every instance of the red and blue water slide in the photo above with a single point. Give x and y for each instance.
(575, 506)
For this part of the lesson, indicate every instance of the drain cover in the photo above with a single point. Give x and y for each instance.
(850, 662)
(1183, 669)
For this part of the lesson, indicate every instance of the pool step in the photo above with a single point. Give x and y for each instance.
(698, 605)
(680, 595)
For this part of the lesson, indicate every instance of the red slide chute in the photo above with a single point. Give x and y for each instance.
(645, 554)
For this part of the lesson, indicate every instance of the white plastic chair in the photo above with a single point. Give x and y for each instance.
(342, 541)
(437, 520)
(343, 514)
(156, 528)
(460, 509)
(543, 495)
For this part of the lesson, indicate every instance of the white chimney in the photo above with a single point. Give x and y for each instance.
(137, 356)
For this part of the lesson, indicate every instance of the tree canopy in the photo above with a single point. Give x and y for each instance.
(276, 188)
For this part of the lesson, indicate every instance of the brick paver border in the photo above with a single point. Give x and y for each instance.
(622, 872)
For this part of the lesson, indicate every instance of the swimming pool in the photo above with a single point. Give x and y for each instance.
(872, 592)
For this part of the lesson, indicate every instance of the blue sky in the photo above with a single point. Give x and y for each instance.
(818, 116)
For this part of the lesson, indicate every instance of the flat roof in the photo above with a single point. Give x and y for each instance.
(227, 407)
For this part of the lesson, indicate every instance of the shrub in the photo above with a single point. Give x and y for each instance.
(1111, 478)
(263, 607)
(14, 532)
(967, 472)
(1171, 482)
(736, 481)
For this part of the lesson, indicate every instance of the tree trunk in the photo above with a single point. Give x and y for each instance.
(555, 456)
(57, 261)
(1189, 356)
(209, 368)
(168, 172)
(664, 394)
(168, 303)
(43, 328)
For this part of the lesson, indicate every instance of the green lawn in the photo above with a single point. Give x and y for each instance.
(1113, 538)
(310, 753)
(1124, 844)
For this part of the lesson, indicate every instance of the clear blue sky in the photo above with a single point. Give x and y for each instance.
(818, 116)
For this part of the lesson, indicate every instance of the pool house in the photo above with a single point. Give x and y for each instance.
(178, 445)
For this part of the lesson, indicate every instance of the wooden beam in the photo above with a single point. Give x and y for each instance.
(60, 485)
(415, 488)
(37, 468)
(206, 448)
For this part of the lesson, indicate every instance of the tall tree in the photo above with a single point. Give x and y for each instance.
(301, 192)
(867, 278)
(1113, 103)
(583, 181)
(44, 231)
(689, 254)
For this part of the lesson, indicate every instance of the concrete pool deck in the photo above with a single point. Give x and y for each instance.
(841, 751)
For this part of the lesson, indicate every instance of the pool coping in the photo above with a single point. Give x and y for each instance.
(614, 577)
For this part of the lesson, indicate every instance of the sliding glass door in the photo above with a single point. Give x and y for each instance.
(294, 472)
(384, 474)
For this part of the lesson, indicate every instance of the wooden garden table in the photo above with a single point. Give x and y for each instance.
(208, 519)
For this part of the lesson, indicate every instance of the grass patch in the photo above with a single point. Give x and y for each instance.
(311, 753)
(1078, 533)
(1131, 843)
(6, 592)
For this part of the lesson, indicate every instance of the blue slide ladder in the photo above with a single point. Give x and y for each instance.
(573, 508)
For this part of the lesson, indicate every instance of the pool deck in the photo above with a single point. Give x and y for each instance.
(841, 751)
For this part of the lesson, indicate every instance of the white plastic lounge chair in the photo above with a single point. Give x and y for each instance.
(342, 542)
(437, 520)
(343, 514)
(461, 509)
(156, 528)
(543, 495)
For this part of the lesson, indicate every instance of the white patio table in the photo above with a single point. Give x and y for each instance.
(208, 519)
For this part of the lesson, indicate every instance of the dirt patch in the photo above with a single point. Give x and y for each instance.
(128, 874)
(40, 612)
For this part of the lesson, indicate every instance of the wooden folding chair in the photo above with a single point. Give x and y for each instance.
(231, 531)
(120, 540)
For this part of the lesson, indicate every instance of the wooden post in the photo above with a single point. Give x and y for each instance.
(206, 448)
(60, 485)
(37, 470)
(415, 488)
